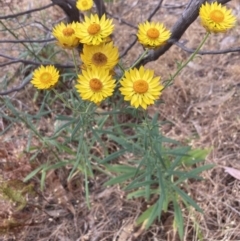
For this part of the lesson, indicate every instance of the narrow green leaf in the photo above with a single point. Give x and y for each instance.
(187, 198)
(150, 215)
(194, 156)
(102, 121)
(119, 179)
(138, 177)
(39, 115)
(191, 174)
(57, 165)
(76, 128)
(121, 168)
(6, 129)
(141, 193)
(34, 155)
(43, 177)
(65, 118)
(144, 184)
(146, 214)
(178, 159)
(34, 172)
(66, 149)
(113, 156)
(10, 106)
(181, 151)
(169, 140)
(178, 219)
(61, 128)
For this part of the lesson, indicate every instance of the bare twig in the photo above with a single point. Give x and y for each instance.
(129, 47)
(120, 20)
(155, 10)
(20, 87)
(28, 41)
(24, 61)
(149, 19)
(224, 51)
(25, 12)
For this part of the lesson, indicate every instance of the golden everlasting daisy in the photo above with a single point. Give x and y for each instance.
(152, 34)
(104, 55)
(93, 30)
(84, 5)
(140, 87)
(95, 84)
(45, 77)
(65, 34)
(216, 18)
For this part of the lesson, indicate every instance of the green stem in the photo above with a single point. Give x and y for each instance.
(120, 66)
(86, 188)
(140, 58)
(75, 62)
(61, 98)
(169, 82)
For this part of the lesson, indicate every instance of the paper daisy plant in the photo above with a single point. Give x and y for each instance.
(65, 34)
(104, 55)
(216, 18)
(140, 87)
(84, 5)
(94, 31)
(152, 34)
(45, 77)
(95, 84)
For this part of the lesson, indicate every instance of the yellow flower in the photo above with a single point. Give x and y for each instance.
(104, 55)
(93, 30)
(95, 84)
(65, 34)
(45, 77)
(152, 34)
(84, 5)
(216, 18)
(140, 87)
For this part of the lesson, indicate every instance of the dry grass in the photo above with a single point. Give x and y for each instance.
(203, 105)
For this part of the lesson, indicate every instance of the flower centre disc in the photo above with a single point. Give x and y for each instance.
(68, 32)
(140, 86)
(46, 78)
(94, 28)
(95, 85)
(217, 16)
(153, 33)
(85, 3)
(99, 59)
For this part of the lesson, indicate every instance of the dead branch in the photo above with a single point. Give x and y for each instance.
(100, 7)
(70, 9)
(149, 19)
(187, 18)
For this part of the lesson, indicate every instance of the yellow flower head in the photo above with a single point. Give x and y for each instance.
(93, 30)
(65, 34)
(84, 5)
(152, 34)
(216, 18)
(45, 77)
(104, 55)
(140, 87)
(95, 84)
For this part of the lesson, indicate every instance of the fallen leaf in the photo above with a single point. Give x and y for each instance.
(233, 172)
